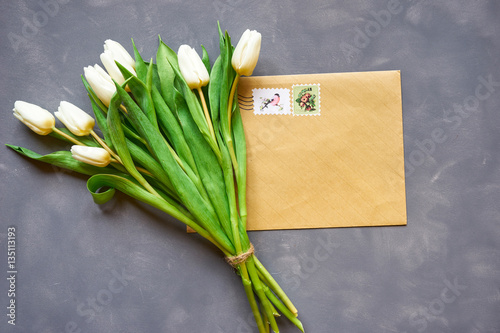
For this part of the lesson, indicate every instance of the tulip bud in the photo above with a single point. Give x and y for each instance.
(79, 122)
(192, 68)
(246, 53)
(91, 155)
(120, 54)
(37, 119)
(114, 51)
(100, 82)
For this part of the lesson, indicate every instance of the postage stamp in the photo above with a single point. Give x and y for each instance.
(271, 101)
(306, 99)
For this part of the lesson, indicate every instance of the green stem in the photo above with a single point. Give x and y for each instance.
(207, 115)
(66, 136)
(232, 154)
(229, 116)
(231, 98)
(281, 307)
(266, 321)
(144, 171)
(105, 146)
(257, 284)
(271, 282)
(242, 198)
(247, 284)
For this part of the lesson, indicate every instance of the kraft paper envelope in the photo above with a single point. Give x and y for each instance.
(327, 152)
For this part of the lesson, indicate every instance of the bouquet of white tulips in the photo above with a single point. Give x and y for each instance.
(172, 137)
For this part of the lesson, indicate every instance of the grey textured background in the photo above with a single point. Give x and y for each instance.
(440, 273)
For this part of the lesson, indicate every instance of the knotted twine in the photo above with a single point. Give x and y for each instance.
(240, 258)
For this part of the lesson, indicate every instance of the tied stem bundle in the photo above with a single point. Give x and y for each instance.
(240, 258)
(172, 137)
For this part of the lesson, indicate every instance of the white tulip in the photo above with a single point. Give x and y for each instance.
(91, 155)
(79, 122)
(37, 119)
(120, 54)
(246, 53)
(100, 82)
(114, 51)
(192, 68)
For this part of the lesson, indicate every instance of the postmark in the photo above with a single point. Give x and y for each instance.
(306, 99)
(270, 101)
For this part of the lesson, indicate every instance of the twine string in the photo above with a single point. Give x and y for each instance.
(240, 257)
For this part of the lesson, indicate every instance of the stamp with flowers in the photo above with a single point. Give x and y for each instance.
(306, 99)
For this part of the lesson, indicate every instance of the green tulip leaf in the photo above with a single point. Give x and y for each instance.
(141, 93)
(117, 136)
(166, 73)
(149, 163)
(196, 111)
(208, 166)
(241, 156)
(226, 81)
(214, 90)
(102, 196)
(140, 66)
(205, 59)
(169, 124)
